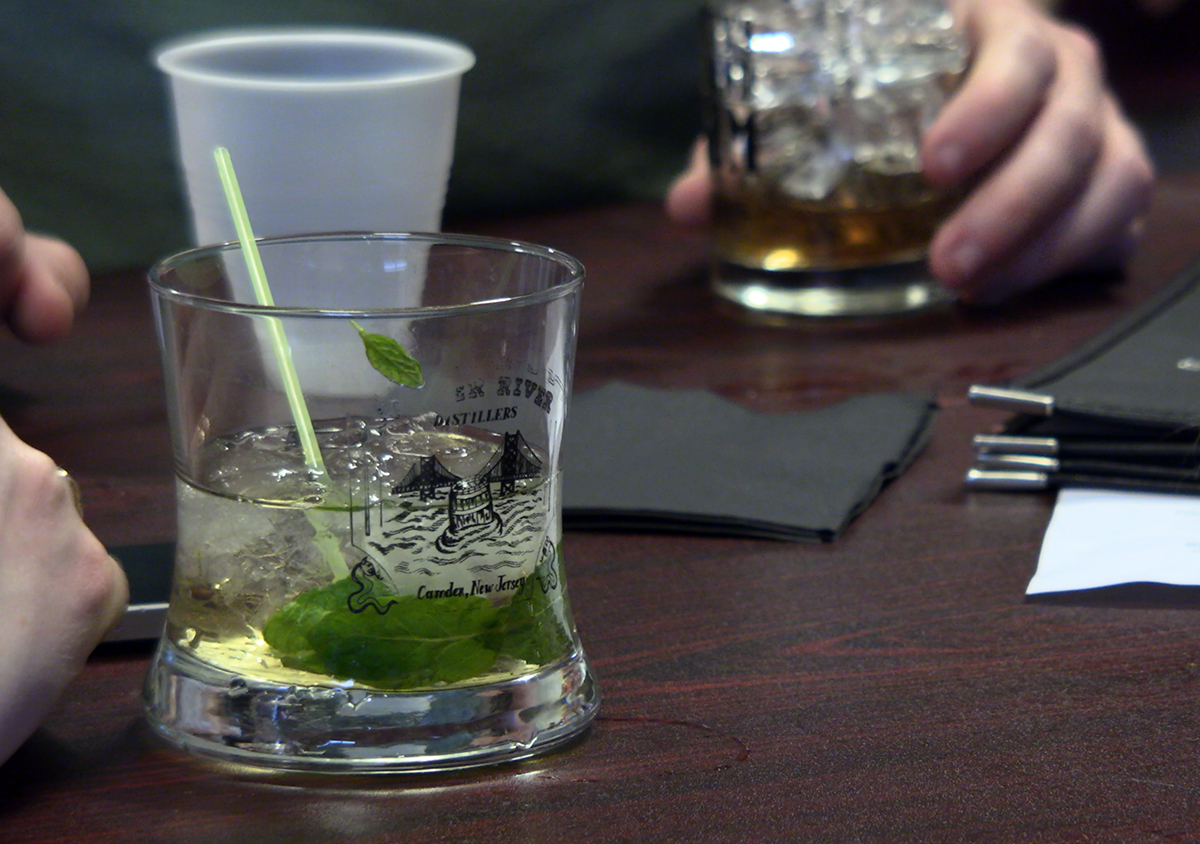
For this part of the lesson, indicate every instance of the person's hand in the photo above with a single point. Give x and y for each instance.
(43, 281)
(1058, 176)
(689, 198)
(59, 589)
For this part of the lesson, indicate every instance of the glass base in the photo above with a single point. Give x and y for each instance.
(217, 714)
(863, 292)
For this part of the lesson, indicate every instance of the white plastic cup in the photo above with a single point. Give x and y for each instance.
(329, 129)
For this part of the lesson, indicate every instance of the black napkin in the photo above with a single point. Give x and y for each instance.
(689, 461)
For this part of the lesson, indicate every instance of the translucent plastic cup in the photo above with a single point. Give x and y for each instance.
(330, 129)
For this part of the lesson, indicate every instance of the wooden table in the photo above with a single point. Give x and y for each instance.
(894, 685)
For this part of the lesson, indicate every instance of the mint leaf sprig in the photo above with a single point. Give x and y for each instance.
(418, 642)
(390, 359)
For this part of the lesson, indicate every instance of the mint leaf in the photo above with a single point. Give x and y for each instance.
(417, 642)
(532, 629)
(390, 359)
(287, 630)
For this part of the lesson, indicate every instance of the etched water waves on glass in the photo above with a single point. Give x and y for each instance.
(381, 587)
(816, 113)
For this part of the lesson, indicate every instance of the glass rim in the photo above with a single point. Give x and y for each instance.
(180, 57)
(571, 284)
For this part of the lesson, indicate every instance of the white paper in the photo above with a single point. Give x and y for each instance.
(1103, 538)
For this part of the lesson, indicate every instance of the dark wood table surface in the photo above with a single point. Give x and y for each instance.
(894, 685)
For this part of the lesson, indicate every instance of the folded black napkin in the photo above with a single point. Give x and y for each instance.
(689, 461)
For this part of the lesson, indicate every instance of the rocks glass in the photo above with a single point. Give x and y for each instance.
(378, 586)
(816, 113)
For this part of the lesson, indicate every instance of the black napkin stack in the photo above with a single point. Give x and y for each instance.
(1122, 411)
(643, 459)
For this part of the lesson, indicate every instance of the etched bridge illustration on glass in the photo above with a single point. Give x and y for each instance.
(489, 521)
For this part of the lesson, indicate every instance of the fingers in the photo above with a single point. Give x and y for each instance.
(44, 543)
(12, 247)
(1061, 175)
(1099, 228)
(60, 591)
(53, 290)
(43, 281)
(1013, 66)
(1043, 84)
(689, 199)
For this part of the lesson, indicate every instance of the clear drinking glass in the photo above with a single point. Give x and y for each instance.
(382, 590)
(816, 112)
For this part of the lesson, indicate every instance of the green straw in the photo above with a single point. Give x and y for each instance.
(262, 292)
